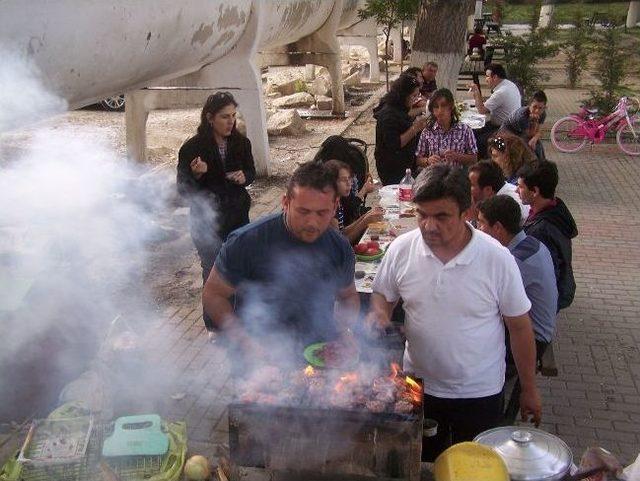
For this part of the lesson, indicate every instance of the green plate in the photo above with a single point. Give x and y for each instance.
(311, 354)
(312, 357)
(362, 257)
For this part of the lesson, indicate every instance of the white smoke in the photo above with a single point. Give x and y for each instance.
(75, 223)
(23, 99)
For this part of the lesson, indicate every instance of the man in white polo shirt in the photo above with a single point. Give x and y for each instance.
(458, 285)
(505, 99)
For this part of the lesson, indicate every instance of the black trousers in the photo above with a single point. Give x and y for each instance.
(208, 239)
(459, 420)
(513, 403)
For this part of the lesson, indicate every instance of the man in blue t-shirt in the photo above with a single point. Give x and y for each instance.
(291, 274)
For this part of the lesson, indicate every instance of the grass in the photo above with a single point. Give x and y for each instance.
(564, 12)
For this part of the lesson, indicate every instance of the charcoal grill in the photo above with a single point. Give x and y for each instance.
(287, 443)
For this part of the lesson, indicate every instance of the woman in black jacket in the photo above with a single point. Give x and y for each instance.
(214, 167)
(397, 132)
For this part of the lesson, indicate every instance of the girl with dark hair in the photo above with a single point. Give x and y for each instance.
(214, 168)
(445, 138)
(396, 132)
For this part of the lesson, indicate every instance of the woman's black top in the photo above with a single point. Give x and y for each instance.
(391, 159)
(231, 200)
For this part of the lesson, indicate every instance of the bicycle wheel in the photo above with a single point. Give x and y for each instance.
(627, 141)
(564, 136)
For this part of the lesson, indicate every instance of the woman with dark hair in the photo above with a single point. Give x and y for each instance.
(214, 168)
(396, 132)
(445, 138)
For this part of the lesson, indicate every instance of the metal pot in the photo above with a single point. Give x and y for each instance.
(530, 454)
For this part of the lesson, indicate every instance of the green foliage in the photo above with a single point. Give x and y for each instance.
(577, 48)
(610, 69)
(389, 14)
(300, 86)
(522, 53)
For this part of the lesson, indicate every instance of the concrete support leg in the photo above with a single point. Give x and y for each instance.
(633, 14)
(309, 72)
(396, 38)
(136, 114)
(337, 89)
(371, 43)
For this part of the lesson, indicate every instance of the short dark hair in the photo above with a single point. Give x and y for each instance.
(314, 175)
(503, 209)
(489, 174)
(539, 96)
(443, 180)
(430, 63)
(497, 69)
(544, 176)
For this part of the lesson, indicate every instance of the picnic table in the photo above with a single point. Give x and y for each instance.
(394, 225)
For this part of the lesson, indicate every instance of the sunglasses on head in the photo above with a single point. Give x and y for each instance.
(499, 144)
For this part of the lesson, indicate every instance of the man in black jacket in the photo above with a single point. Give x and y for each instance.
(550, 222)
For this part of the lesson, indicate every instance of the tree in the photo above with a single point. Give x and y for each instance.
(440, 37)
(389, 14)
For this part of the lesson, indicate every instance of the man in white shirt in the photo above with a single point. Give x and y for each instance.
(505, 99)
(457, 285)
(487, 180)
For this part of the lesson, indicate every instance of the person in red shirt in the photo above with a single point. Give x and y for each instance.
(477, 40)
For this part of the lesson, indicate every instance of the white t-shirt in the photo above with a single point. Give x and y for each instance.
(454, 329)
(511, 191)
(504, 100)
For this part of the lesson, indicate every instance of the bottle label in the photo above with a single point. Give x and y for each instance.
(405, 194)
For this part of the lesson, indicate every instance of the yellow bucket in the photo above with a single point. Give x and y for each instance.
(470, 462)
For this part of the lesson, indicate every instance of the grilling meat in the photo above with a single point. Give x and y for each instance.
(336, 354)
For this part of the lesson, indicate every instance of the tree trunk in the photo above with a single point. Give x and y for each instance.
(546, 13)
(633, 14)
(387, 33)
(441, 37)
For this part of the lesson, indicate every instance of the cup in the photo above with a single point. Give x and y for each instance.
(429, 428)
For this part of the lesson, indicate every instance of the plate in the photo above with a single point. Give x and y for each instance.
(390, 189)
(362, 257)
(311, 355)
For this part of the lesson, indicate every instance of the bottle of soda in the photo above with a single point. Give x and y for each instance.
(405, 189)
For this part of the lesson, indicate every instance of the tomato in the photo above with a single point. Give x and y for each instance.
(361, 248)
(373, 245)
(372, 251)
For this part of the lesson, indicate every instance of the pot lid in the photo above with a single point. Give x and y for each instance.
(529, 453)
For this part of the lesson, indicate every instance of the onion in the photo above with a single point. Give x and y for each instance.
(197, 468)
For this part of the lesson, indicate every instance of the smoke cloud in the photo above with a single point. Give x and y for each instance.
(76, 221)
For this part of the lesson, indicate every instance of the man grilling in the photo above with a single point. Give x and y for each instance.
(459, 289)
(290, 273)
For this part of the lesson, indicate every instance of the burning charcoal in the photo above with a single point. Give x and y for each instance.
(403, 407)
(383, 384)
(387, 396)
(376, 406)
(248, 397)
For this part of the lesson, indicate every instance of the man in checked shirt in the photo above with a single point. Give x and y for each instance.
(445, 138)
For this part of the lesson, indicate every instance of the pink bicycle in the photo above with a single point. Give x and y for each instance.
(571, 133)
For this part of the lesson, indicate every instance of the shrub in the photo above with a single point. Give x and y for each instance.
(610, 69)
(577, 48)
(522, 53)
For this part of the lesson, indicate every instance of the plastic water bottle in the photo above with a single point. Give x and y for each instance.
(405, 189)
